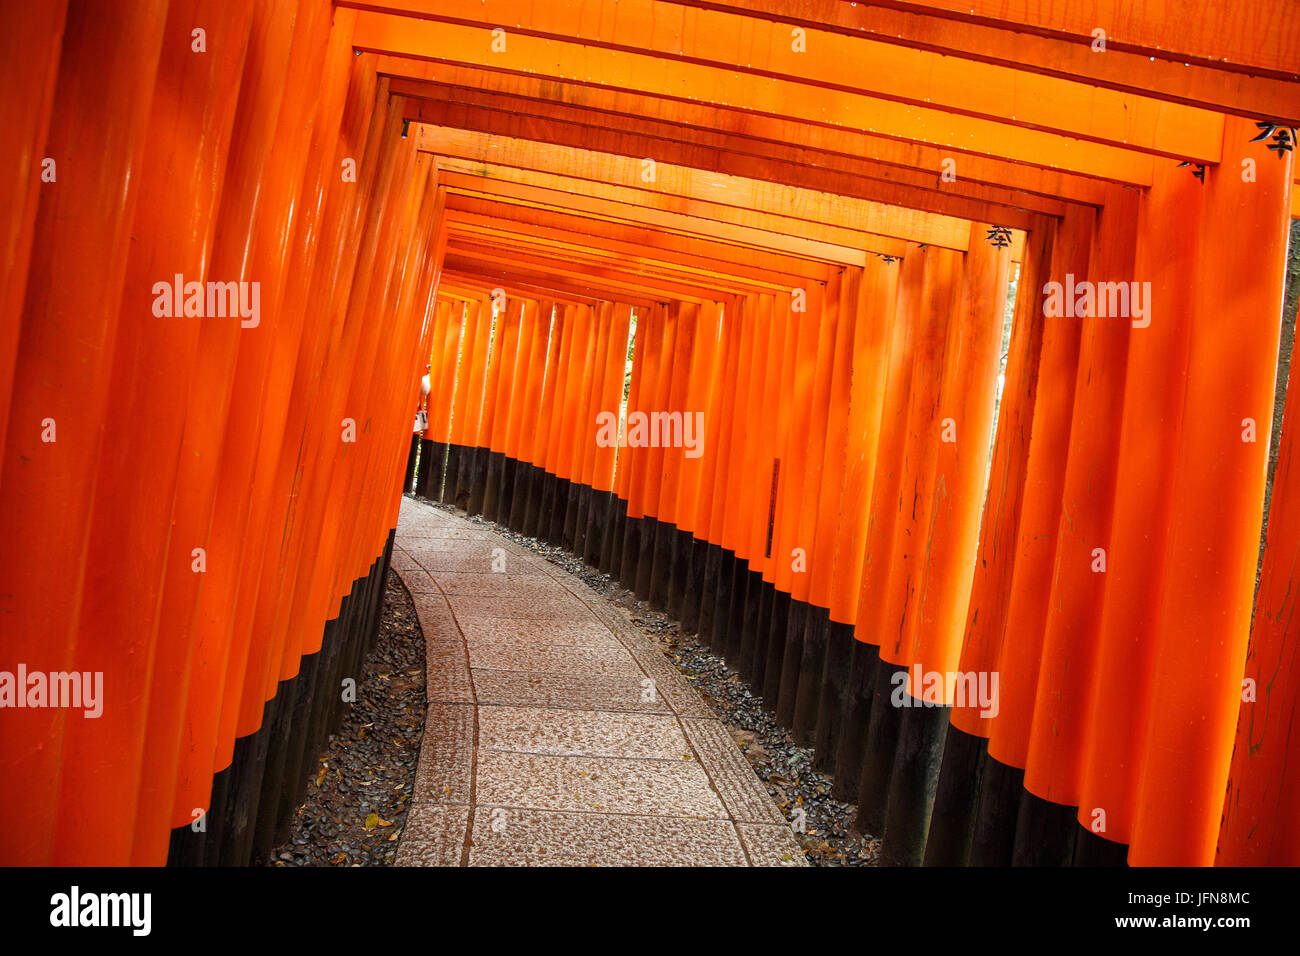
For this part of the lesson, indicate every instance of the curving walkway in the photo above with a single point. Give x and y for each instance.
(557, 734)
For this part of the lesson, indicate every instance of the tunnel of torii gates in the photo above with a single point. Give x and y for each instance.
(236, 231)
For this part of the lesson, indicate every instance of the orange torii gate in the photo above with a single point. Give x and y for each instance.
(712, 306)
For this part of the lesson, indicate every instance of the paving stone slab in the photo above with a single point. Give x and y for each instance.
(413, 515)
(417, 580)
(479, 631)
(542, 658)
(431, 545)
(412, 527)
(743, 793)
(446, 655)
(513, 837)
(528, 607)
(446, 764)
(577, 733)
(448, 679)
(669, 682)
(672, 788)
(498, 584)
(563, 691)
(473, 559)
(435, 617)
(461, 534)
(771, 845)
(418, 528)
(434, 836)
(402, 561)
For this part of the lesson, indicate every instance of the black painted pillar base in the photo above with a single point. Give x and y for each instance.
(1044, 833)
(878, 755)
(1090, 849)
(307, 690)
(209, 841)
(720, 630)
(790, 661)
(611, 551)
(569, 525)
(834, 692)
(744, 610)
(429, 474)
(808, 687)
(453, 484)
(952, 821)
(645, 558)
(757, 611)
(492, 485)
(249, 765)
(525, 474)
(408, 482)
(770, 603)
(558, 511)
(661, 567)
(855, 720)
(599, 504)
(507, 500)
(581, 515)
(281, 723)
(478, 463)
(774, 650)
(546, 507)
(533, 502)
(693, 596)
(554, 523)
(726, 629)
(630, 559)
(996, 810)
(678, 571)
(912, 788)
(714, 559)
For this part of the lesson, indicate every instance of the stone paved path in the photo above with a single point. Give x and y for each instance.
(557, 733)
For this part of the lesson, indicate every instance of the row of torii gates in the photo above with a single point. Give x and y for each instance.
(236, 231)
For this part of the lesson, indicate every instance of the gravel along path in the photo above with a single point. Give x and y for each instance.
(361, 786)
(786, 768)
